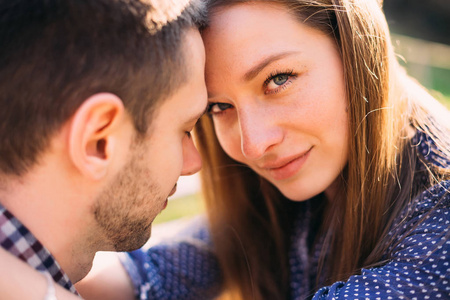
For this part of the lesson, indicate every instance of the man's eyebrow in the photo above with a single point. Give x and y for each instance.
(254, 71)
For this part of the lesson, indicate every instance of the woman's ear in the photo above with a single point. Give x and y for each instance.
(94, 134)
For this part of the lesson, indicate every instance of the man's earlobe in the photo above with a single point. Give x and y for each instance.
(94, 130)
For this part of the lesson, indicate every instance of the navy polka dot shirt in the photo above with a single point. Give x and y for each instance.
(417, 267)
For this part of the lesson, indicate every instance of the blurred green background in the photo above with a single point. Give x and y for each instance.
(428, 62)
(421, 34)
(179, 207)
(421, 37)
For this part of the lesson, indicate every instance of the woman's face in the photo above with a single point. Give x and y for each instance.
(277, 97)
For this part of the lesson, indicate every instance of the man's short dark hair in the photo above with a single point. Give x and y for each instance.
(56, 53)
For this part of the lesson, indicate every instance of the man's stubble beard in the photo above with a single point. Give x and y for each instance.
(128, 205)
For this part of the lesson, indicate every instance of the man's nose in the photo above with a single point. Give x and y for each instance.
(192, 162)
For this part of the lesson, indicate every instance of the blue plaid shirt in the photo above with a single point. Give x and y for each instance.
(19, 241)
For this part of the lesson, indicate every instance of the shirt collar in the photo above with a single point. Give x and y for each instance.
(19, 241)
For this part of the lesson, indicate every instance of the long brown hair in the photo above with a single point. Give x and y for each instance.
(250, 220)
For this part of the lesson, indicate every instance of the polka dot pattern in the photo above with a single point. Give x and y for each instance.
(415, 267)
(184, 268)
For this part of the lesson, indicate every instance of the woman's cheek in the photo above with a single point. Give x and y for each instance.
(229, 139)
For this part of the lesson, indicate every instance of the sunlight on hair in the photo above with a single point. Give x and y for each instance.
(163, 12)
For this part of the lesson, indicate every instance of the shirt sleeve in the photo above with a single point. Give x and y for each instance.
(419, 264)
(184, 268)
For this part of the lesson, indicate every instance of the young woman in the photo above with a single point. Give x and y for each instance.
(325, 165)
(326, 168)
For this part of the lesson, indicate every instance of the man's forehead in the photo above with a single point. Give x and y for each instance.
(175, 112)
(163, 12)
(185, 105)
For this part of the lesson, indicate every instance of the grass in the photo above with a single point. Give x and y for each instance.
(181, 207)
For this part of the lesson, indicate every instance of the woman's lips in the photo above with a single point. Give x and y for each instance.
(289, 169)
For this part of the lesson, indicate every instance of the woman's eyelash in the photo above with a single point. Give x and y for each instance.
(210, 106)
(225, 106)
(278, 73)
(222, 106)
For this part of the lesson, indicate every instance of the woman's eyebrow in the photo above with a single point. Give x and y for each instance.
(254, 71)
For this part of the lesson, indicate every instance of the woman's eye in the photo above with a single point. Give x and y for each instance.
(217, 108)
(280, 79)
(278, 82)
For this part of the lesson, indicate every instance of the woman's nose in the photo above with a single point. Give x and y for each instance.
(259, 132)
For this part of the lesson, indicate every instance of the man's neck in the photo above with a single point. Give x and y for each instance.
(49, 206)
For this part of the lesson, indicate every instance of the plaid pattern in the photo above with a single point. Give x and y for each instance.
(19, 241)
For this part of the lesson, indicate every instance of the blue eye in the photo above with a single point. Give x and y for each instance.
(280, 79)
(218, 108)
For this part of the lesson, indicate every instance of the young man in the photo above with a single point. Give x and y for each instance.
(97, 101)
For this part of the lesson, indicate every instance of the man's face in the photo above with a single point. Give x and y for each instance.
(128, 206)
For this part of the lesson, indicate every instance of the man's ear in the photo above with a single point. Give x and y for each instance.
(94, 134)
